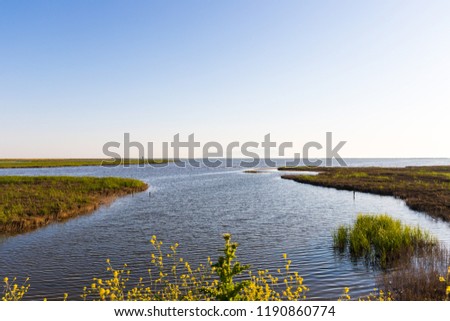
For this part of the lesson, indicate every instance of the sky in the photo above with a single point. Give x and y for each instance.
(75, 75)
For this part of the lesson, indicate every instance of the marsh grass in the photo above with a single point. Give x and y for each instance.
(425, 188)
(415, 265)
(29, 202)
(381, 240)
(423, 276)
(67, 162)
(256, 171)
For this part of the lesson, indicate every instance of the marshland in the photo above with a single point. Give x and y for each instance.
(28, 203)
(423, 188)
(266, 215)
(74, 162)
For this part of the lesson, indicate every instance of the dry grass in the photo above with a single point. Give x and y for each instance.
(417, 277)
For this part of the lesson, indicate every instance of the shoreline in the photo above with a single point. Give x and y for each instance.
(31, 202)
(15, 163)
(422, 188)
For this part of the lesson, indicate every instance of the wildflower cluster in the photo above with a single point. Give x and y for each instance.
(378, 295)
(446, 281)
(345, 296)
(173, 279)
(13, 291)
(284, 285)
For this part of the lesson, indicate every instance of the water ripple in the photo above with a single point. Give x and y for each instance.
(268, 216)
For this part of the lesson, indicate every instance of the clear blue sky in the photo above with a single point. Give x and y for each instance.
(76, 74)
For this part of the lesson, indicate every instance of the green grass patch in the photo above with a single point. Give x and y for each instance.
(381, 239)
(29, 202)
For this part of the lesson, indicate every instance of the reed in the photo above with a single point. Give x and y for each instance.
(380, 239)
(423, 276)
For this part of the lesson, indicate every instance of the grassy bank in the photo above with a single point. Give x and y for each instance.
(27, 203)
(425, 189)
(38, 163)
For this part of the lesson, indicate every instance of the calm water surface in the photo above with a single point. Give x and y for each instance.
(267, 215)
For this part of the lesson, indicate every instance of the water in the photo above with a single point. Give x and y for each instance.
(267, 215)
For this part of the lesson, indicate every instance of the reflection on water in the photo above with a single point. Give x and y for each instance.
(266, 215)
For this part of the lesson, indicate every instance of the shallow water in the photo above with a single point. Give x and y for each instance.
(267, 215)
